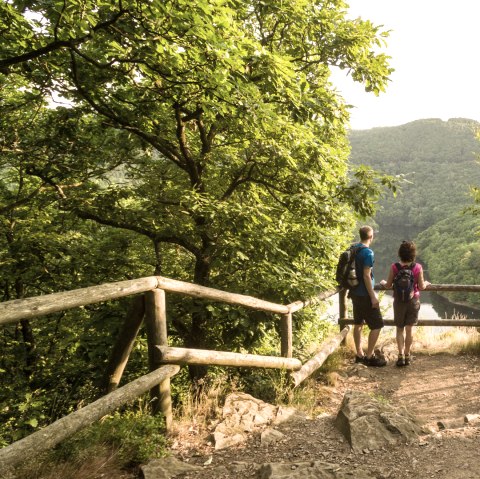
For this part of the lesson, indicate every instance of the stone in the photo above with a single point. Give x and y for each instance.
(243, 414)
(308, 470)
(370, 424)
(285, 414)
(166, 468)
(270, 436)
(454, 423)
(472, 418)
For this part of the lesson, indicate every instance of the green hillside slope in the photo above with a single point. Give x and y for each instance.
(440, 161)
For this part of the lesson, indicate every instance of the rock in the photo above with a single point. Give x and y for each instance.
(370, 424)
(455, 423)
(270, 436)
(223, 440)
(166, 468)
(243, 414)
(308, 470)
(472, 418)
(285, 414)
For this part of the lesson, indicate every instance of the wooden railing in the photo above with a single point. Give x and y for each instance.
(472, 288)
(152, 309)
(164, 361)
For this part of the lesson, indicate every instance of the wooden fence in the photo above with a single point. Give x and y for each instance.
(164, 361)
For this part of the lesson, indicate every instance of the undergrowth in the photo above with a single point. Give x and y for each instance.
(114, 444)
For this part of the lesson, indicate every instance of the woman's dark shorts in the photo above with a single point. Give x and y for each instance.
(364, 313)
(406, 314)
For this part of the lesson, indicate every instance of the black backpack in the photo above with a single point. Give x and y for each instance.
(403, 283)
(346, 274)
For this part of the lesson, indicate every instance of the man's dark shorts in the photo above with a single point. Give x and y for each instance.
(363, 312)
(406, 314)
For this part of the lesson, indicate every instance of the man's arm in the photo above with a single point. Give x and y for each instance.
(367, 279)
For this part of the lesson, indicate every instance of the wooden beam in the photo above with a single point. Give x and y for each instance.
(297, 305)
(474, 323)
(225, 358)
(286, 328)
(313, 364)
(15, 310)
(442, 287)
(156, 324)
(196, 291)
(342, 310)
(48, 437)
(124, 344)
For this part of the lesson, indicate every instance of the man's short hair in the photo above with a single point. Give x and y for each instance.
(365, 232)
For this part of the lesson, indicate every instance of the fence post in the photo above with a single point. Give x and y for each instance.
(124, 344)
(342, 310)
(286, 335)
(156, 325)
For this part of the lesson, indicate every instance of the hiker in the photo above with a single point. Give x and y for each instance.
(406, 278)
(366, 307)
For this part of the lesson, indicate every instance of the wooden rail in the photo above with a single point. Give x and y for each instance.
(48, 437)
(152, 308)
(28, 308)
(225, 358)
(469, 323)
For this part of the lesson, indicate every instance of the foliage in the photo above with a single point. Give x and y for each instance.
(199, 141)
(135, 436)
(108, 448)
(453, 258)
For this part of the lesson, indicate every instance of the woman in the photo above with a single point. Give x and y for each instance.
(406, 299)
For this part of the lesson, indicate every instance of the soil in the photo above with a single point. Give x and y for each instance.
(436, 388)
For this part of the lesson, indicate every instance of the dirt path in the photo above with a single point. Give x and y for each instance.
(435, 388)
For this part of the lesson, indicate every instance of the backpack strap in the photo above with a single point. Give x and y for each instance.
(411, 266)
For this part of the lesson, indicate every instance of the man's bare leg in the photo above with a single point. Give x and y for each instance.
(372, 340)
(357, 338)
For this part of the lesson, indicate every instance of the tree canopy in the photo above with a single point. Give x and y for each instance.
(200, 140)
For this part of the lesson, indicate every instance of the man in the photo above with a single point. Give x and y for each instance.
(366, 308)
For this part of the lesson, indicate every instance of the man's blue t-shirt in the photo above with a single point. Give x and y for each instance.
(363, 258)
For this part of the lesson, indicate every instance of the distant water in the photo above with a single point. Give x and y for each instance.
(432, 306)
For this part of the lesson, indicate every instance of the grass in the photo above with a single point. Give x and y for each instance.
(108, 449)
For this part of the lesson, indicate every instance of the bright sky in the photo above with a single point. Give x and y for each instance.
(434, 47)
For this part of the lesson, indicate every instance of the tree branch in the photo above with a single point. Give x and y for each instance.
(166, 150)
(60, 44)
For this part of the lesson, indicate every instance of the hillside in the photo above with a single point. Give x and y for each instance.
(439, 161)
(437, 158)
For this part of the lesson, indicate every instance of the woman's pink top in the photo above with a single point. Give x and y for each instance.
(416, 273)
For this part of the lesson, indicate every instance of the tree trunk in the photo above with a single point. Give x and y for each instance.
(197, 338)
(27, 335)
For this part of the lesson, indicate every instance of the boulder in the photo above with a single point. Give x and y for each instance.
(308, 470)
(243, 414)
(166, 468)
(369, 424)
(270, 436)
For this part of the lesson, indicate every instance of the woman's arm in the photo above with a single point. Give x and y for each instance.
(422, 284)
(389, 283)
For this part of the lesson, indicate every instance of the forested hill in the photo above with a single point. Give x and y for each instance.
(440, 161)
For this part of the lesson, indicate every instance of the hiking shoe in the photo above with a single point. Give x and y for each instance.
(400, 361)
(408, 360)
(375, 361)
(360, 359)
